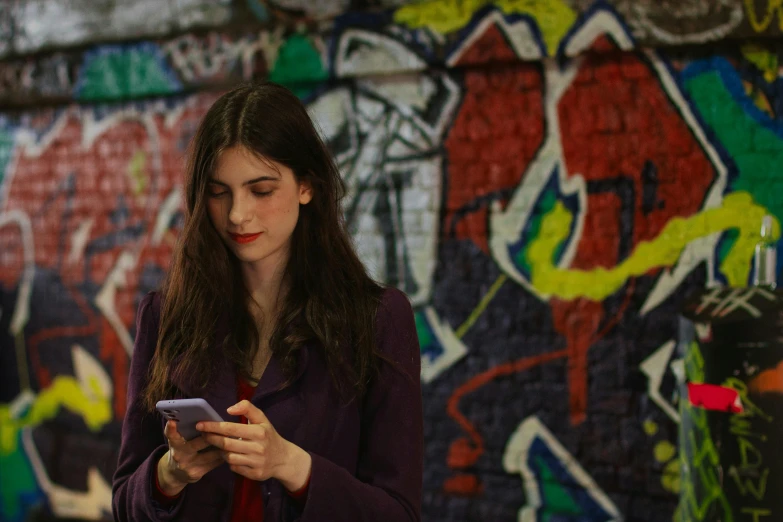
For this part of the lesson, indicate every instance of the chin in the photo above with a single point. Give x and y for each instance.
(247, 257)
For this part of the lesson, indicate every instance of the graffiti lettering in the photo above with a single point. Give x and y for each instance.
(772, 9)
(198, 59)
(738, 298)
(52, 76)
(756, 513)
(751, 475)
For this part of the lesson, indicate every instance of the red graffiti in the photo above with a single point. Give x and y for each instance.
(497, 131)
(93, 191)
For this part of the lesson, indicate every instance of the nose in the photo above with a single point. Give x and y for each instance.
(240, 211)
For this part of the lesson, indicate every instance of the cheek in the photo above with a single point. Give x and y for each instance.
(214, 211)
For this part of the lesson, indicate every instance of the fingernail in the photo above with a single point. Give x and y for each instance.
(234, 407)
(200, 426)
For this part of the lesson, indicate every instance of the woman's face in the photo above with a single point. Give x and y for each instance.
(254, 205)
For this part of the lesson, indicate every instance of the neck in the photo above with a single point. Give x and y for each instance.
(264, 281)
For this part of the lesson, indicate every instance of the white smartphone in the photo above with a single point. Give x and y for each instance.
(187, 413)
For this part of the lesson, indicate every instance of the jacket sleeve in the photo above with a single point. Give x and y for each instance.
(388, 483)
(143, 443)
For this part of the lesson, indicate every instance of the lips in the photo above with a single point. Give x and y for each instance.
(244, 238)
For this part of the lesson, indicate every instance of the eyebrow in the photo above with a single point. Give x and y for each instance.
(248, 182)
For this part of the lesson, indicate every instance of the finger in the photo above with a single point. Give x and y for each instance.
(248, 410)
(239, 459)
(246, 471)
(229, 444)
(210, 459)
(174, 437)
(198, 444)
(203, 468)
(228, 429)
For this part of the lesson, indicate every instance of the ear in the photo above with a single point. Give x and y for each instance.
(305, 192)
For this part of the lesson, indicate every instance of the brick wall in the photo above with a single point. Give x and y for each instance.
(546, 180)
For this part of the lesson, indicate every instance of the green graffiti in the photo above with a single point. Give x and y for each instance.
(756, 150)
(423, 331)
(126, 73)
(701, 495)
(6, 150)
(18, 487)
(694, 364)
(556, 500)
(298, 66)
(543, 208)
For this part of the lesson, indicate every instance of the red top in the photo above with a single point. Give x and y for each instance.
(248, 498)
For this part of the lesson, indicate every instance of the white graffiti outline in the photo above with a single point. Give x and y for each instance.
(645, 24)
(654, 367)
(515, 459)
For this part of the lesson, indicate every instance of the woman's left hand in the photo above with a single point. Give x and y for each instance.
(255, 450)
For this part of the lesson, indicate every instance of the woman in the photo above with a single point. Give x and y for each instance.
(269, 315)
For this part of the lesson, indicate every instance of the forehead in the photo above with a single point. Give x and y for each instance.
(237, 165)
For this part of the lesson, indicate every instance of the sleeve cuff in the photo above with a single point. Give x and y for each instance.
(300, 493)
(160, 497)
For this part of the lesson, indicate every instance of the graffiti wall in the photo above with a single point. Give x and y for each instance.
(546, 180)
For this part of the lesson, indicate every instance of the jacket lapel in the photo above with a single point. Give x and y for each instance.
(274, 378)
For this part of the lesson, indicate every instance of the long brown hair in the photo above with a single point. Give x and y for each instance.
(330, 298)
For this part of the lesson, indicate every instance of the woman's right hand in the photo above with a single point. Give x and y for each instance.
(183, 464)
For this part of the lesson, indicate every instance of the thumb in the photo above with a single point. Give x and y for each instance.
(172, 434)
(247, 409)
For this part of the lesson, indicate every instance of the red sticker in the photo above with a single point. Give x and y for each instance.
(714, 397)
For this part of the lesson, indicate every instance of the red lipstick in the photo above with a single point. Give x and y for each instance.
(244, 238)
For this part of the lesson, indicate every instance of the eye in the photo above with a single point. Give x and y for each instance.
(260, 194)
(216, 193)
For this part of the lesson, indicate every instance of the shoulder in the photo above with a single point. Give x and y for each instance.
(395, 326)
(394, 302)
(149, 309)
(394, 307)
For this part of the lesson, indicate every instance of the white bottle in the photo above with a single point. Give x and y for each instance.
(765, 258)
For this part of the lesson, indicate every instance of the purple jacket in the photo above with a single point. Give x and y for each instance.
(367, 458)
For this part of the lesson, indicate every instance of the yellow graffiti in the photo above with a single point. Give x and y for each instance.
(738, 211)
(773, 8)
(765, 60)
(664, 451)
(476, 313)
(554, 17)
(670, 479)
(758, 98)
(136, 171)
(64, 392)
